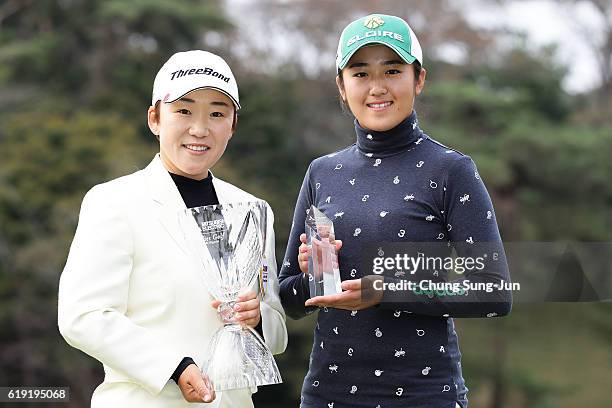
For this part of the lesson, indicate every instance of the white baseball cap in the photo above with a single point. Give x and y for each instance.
(190, 70)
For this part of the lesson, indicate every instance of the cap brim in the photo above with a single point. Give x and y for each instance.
(236, 104)
(408, 59)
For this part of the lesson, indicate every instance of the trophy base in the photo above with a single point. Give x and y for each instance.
(240, 359)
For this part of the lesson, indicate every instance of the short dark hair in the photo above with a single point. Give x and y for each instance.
(417, 74)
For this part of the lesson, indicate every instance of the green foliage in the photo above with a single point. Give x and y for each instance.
(45, 173)
(480, 110)
(265, 149)
(544, 167)
(75, 83)
(146, 13)
(538, 76)
(79, 48)
(49, 166)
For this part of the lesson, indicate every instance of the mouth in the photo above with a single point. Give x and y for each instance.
(197, 148)
(379, 105)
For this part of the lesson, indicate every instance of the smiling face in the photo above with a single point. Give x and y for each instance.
(379, 87)
(193, 131)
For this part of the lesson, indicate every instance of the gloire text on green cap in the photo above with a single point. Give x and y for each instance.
(383, 29)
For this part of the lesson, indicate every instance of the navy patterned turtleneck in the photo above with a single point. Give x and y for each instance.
(393, 186)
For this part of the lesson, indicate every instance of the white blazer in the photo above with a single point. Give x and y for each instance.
(132, 296)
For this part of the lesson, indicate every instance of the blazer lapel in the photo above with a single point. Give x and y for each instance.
(169, 200)
(224, 195)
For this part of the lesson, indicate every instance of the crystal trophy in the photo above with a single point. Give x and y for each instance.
(323, 272)
(229, 240)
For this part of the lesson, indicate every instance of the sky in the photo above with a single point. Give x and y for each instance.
(544, 22)
(547, 22)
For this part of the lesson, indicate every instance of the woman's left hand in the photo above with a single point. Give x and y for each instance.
(246, 309)
(352, 298)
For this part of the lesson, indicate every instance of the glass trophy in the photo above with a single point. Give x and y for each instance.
(323, 272)
(229, 240)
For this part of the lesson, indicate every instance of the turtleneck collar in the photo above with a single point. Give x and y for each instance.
(186, 181)
(196, 193)
(389, 142)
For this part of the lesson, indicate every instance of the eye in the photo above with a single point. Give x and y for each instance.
(217, 115)
(394, 71)
(184, 111)
(360, 74)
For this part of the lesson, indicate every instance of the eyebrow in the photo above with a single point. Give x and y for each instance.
(365, 64)
(218, 103)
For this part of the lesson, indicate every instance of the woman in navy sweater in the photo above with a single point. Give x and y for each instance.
(395, 184)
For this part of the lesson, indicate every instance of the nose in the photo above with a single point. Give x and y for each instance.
(199, 128)
(378, 88)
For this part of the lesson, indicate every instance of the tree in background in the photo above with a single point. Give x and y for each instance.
(75, 81)
(600, 42)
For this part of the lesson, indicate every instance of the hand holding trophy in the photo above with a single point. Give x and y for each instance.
(318, 258)
(323, 272)
(229, 240)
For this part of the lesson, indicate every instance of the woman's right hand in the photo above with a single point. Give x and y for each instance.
(304, 251)
(195, 386)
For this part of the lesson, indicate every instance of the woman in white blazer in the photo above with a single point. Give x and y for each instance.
(131, 295)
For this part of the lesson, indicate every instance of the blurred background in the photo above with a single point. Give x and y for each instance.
(524, 87)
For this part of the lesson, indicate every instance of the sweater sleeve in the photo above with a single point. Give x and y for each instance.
(472, 231)
(294, 289)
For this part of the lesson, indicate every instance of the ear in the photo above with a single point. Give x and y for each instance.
(235, 124)
(421, 83)
(340, 85)
(153, 121)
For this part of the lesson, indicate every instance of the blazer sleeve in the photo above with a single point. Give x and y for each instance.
(93, 297)
(272, 313)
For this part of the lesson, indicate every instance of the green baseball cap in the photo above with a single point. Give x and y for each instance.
(391, 31)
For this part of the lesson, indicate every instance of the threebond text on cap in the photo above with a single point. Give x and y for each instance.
(190, 70)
